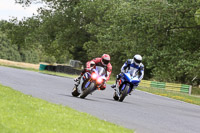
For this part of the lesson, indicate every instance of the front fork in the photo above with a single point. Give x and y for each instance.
(123, 86)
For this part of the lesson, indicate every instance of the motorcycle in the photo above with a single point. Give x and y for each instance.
(90, 82)
(125, 85)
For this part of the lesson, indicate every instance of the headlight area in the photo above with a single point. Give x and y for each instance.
(99, 80)
(94, 76)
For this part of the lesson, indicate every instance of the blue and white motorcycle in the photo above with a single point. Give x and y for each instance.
(125, 85)
(90, 82)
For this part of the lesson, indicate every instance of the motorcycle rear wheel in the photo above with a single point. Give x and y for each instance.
(115, 97)
(75, 93)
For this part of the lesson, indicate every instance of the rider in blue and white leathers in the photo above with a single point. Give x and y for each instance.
(135, 65)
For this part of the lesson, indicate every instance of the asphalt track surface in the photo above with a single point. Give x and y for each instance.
(144, 112)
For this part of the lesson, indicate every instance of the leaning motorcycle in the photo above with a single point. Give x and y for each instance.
(90, 82)
(125, 85)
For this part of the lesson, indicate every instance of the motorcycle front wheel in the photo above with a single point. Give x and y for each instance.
(123, 93)
(87, 90)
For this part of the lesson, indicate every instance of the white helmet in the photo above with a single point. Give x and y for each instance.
(137, 59)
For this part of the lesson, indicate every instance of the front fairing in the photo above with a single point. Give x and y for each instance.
(100, 71)
(133, 72)
(86, 79)
(130, 79)
(127, 80)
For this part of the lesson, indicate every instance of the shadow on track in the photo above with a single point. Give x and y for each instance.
(87, 99)
(108, 99)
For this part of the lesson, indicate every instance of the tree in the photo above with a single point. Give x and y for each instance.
(165, 32)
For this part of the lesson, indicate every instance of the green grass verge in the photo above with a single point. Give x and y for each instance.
(175, 95)
(43, 71)
(30, 69)
(20, 113)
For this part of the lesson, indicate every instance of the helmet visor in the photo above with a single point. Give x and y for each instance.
(105, 61)
(137, 61)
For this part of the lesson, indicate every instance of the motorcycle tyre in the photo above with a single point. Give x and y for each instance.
(115, 97)
(123, 94)
(87, 90)
(75, 92)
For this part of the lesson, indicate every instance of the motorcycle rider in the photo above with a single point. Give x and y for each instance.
(103, 61)
(132, 64)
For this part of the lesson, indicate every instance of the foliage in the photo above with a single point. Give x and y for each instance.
(197, 16)
(13, 49)
(165, 32)
(157, 30)
(8, 51)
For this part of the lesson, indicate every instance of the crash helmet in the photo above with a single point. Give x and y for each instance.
(137, 59)
(105, 59)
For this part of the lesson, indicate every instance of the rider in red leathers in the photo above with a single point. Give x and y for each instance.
(104, 61)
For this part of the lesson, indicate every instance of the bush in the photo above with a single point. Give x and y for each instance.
(8, 51)
(195, 90)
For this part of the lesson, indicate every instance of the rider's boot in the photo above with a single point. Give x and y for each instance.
(77, 80)
(117, 78)
(114, 85)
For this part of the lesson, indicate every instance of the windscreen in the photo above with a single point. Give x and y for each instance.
(100, 70)
(133, 72)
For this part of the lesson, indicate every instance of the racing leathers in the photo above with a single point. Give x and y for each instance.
(136, 70)
(98, 62)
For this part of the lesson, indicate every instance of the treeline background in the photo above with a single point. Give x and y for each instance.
(165, 32)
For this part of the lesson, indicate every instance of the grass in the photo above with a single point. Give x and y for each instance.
(175, 95)
(22, 113)
(18, 67)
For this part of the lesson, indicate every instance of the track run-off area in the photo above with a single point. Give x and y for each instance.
(141, 111)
